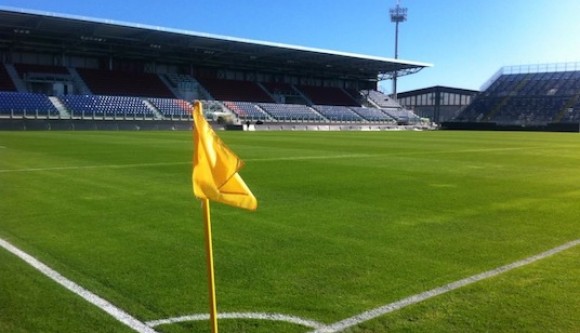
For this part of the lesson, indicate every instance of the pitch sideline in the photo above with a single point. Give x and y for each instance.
(379, 311)
(339, 326)
(382, 310)
(99, 302)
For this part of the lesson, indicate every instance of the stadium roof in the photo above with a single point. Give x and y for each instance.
(432, 89)
(25, 30)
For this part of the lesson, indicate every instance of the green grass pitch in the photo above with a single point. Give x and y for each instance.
(346, 222)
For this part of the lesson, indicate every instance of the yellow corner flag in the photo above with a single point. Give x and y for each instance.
(215, 167)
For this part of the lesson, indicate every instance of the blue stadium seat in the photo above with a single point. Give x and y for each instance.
(26, 104)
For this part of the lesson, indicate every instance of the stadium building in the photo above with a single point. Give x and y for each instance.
(437, 103)
(69, 72)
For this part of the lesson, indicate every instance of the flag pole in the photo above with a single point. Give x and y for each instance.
(210, 271)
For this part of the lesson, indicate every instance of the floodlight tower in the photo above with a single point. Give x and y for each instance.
(398, 15)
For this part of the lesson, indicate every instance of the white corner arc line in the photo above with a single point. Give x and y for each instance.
(240, 315)
(99, 302)
(382, 310)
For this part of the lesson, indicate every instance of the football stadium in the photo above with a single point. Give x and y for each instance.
(434, 210)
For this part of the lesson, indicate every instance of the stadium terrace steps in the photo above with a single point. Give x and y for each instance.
(80, 85)
(527, 98)
(15, 78)
(567, 113)
(186, 87)
(338, 113)
(379, 99)
(514, 88)
(401, 115)
(170, 108)
(6, 83)
(372, 114)
(62, 110)
(246, 111)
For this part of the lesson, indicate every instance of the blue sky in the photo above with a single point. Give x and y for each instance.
(467, 41)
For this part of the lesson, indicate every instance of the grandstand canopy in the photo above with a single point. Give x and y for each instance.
(31, 31)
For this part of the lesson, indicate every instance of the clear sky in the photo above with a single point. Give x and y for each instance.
(467, 41)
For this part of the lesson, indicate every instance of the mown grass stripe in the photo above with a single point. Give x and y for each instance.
(99, 302)
(139, 165)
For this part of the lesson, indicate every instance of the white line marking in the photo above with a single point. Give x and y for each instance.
(240, 315)
(138, 165)
(371, 314)
(104, 166)
(101, 303)
(301, 158)
(339, 326)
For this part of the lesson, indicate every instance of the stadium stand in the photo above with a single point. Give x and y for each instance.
(280, 88)
(290, 112)
(524, 96)
(28, 69)
(337, 113)
(100, 106)
(77, 76)
(235, 90)
(6, 83)
(246, 111)
(372, 114)
(285, 93)
(102, 82)
(379, 99)
(26, 104)
(172, 108)
(402, 115)
(327, 96)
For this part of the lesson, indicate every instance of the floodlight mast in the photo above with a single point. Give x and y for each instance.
(398, 15)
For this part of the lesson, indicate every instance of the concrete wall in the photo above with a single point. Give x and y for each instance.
(91, 125)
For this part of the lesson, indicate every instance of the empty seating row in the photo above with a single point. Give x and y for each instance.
(172, 108)
(23, 104)
(290, 112)
(106, 106)
(246, 110)
(337, 113)
(125, 107)
(372, 114)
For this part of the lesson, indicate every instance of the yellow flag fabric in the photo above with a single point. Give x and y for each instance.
(215, 167)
